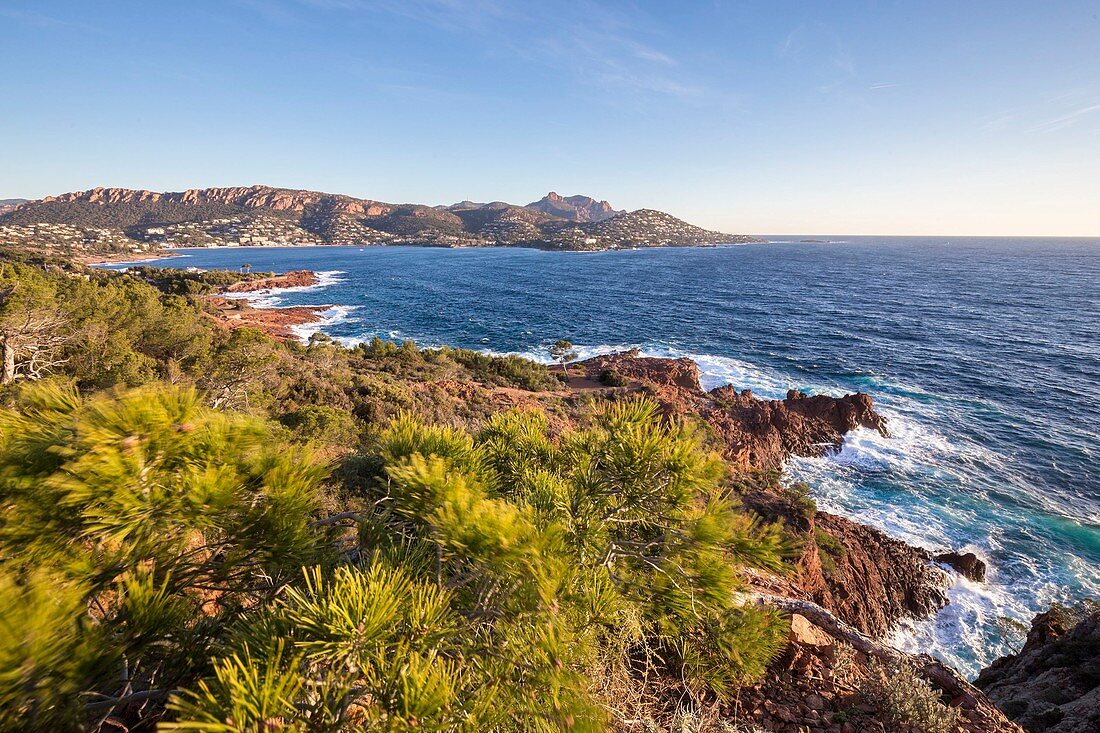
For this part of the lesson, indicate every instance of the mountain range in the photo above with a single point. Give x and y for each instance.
(120, 219)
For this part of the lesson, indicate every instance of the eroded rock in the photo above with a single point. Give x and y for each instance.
(1053, 684)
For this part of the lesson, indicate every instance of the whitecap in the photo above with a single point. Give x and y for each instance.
(273, 297)
(329, 317)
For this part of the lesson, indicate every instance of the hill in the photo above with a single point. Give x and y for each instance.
(121, 220)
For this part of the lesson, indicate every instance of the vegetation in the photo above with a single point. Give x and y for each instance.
(202, 282)
(125, 215)
(563, 353)
(176, 554)
(831, 550)
(799, 501)
(906, 698)
(135, 529)
(104, 329)
(612, 378)
(204, 529)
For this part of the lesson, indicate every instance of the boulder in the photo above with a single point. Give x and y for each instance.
(967, 564)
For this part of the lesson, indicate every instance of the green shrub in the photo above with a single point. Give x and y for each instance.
(154, 522)
(799, 501)
(611, 378)
(906, 698)
(183, 282)
(324, 424)
(512, 371)
(830, 550)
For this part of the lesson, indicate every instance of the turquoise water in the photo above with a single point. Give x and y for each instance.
(984, 354)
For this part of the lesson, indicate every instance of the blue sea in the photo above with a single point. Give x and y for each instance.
(983, 354)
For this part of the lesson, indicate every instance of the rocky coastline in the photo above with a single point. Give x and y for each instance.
(1052, 685)
(279, 323)
(856, 580)
(292, 279)
(859, 579)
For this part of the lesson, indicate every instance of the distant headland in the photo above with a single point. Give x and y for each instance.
(120, 220)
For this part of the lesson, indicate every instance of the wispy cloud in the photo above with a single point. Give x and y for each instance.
(885, 85)
(1049, 115)
(1067, 120)
(820, 47)
(813, 42)
(597, 45)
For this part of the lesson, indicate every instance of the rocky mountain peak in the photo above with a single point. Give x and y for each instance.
(575, 208)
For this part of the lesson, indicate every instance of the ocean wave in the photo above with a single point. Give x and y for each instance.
(331, 316)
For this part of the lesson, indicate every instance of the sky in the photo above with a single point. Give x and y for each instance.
(872, 117)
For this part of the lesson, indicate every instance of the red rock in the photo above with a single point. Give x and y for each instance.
(293, 279)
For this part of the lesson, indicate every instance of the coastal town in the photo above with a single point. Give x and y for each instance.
(124, 220)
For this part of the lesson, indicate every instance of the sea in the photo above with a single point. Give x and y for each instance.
(982, 353)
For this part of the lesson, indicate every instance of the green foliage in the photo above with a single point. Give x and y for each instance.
(190, 282)
(492, 571)
(162, 518)
(563, 353)
(509, 370)
(49, 653)
(799, 501)
(830, 548)
(612, 378)
(829, 544)
(906, 698)
(486, 576)
(324, 424)
(633, 507)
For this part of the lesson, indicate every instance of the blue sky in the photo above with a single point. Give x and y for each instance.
(826, 117)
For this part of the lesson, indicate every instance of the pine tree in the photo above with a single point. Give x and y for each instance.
(160, 560)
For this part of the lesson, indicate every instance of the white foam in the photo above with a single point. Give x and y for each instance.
(329, 317)
(273, 297)
(714, 371)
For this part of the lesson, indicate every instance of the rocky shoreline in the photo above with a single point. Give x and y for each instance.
(858, 579)
(1052, 685)
(855, 578)
(279, 323)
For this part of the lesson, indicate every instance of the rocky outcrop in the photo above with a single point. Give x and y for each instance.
(756, 433)
(763, 433)
(966, 564)
(1053, 684)
(244, 197)
(874, 580)
(842, 415)
(819, 684)
(279, 323)
(293, 279)
(574, 208)
(7, 205)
